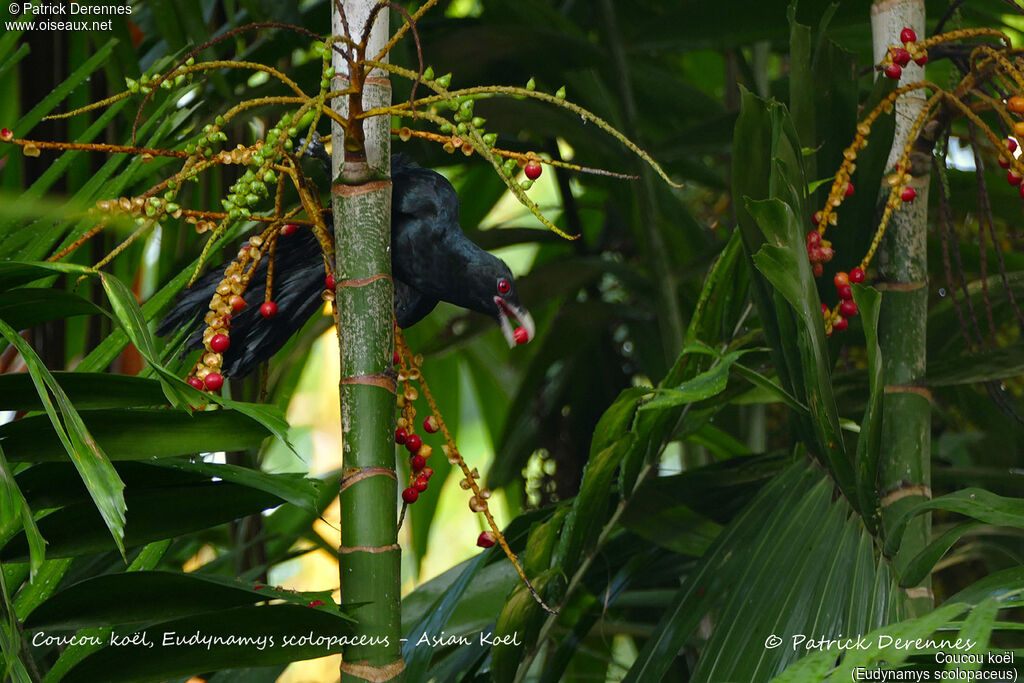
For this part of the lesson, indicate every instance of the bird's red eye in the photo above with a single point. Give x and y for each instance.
(504, 287)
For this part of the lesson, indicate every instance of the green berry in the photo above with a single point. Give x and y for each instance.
(445, 81)
(490, 139)
(531, 84)
(479, 121)
(428, 73)
(560, 93)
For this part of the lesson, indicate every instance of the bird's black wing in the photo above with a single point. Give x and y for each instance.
(432, 260)
(299, 275)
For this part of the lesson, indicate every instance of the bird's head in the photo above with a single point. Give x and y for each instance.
(494, 292)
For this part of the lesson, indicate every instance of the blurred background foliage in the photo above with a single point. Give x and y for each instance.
(612, 308)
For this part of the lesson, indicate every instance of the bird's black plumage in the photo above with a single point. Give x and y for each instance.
(432, 260)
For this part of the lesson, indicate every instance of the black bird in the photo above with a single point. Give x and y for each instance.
(432, 260)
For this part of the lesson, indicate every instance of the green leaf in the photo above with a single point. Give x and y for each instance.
(435, 621)
(881, 641)
(86, 390)
(977, 629)
(719, 571)
(294, 488)
(139, 434)
(920, 566)
(517, 626)
(869, 443)
(784, 263)
(1003, 585)
(972, 502)
(587, 515)
(26, 307)
(78, 530)
(140, 597)
(15, 514)
(105, 487)
(254, 635)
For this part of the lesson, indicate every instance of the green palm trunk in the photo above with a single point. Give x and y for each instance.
(369, 558)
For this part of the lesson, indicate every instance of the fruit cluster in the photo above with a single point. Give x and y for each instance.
(229, 299)
(820, 250)
(405, 432)
(899, 57)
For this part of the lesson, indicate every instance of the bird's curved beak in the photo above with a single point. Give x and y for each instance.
(509, 313)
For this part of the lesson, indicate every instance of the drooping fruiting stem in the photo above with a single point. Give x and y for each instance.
(451, 451)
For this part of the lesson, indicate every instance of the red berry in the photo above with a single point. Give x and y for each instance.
(413, 443)
(841, 325)
(908, 194)
(196, 383)
(847, 309)
(400, 436)
(815, 255)
(815, 219)
(428, 472)
(824, 309)
(6, 134)
(521, 335)
(849, 190)
(894, 71)
(417, 463)
(420, 484)
(533, 170)
(268, 309)
(289, 229)
(817, 269)
(1012, 178)
(845, 292)
(857, 275)
(219, 343)
(841, 279)
(827, 253)
(410, 495)
(907, 35)
(900, 56)
(430, 424)
(395, 358)
(813, 238)
(329, 282)
(486, 539)
(1011, 145)
(214, 381)
(237, 303)
(922, 60)
(1003, 163)
(316, 603)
